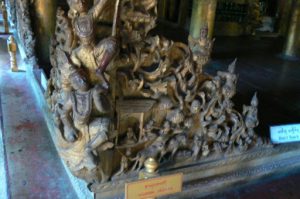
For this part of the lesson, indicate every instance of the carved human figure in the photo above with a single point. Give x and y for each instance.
(82, 155)
(81, 104)
(95, 57)
(148, 133)
(178, 142)
(205, 149)
(165, 132)
(196, 147)
(124, 162)
(250, 113)
(201, 47)
(85, 118)
(230, 78)
(130, 137)
(250, 118)
(151, 151)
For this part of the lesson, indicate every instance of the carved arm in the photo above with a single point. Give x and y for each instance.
(98, 8)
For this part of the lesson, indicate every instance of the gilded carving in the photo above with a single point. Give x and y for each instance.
(122, 99)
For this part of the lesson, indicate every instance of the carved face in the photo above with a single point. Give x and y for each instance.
(84, 28)
(167, 126)
(195, 107)
(79, 81)
(130, 133)
(204, 32)
(79, 6)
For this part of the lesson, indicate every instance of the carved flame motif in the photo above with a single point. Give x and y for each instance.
(157, 103)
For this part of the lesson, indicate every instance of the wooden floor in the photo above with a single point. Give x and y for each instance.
(262, 69)
(32, 167)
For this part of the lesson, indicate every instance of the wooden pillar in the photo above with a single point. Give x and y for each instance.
(183, 13)
(285, 7)
(211, 15)
(203, 13)
(292, 47)
(162, 5)
(44, 27)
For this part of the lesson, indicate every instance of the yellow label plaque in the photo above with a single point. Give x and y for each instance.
(154, 187)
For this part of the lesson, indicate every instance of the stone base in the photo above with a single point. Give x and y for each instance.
(217, 174)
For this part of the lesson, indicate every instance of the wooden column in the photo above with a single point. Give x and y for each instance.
(203, 13)
(162, 5)
(44, 26)
(292, 47)
(285, 7)
(211, 15)
(183, 13)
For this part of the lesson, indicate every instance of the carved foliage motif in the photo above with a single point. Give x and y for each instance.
(113, 111)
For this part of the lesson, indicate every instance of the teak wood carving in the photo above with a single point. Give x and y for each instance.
(123, 98)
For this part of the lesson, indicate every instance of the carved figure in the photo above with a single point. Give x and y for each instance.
(82, 103)
(12, 50)
(201, 47)
(95, 58)
(196, 148)
(128, 97)
(124, 162)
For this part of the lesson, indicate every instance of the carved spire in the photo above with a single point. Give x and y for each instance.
(232, 66)
(254, 101)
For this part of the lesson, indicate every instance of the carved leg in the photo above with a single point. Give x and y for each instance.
(135, 164)
(120, 171)
(173, 153)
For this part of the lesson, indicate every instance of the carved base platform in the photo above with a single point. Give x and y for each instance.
(219, 173)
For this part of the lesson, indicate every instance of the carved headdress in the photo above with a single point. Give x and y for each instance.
(84, 26)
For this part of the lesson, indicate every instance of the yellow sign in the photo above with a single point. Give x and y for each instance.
(154, 187)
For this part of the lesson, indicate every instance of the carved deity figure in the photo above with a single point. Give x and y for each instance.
(201, 47)
(94, 57)
(250, 114)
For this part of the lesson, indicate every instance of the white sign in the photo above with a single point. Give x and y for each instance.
(285, 134)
